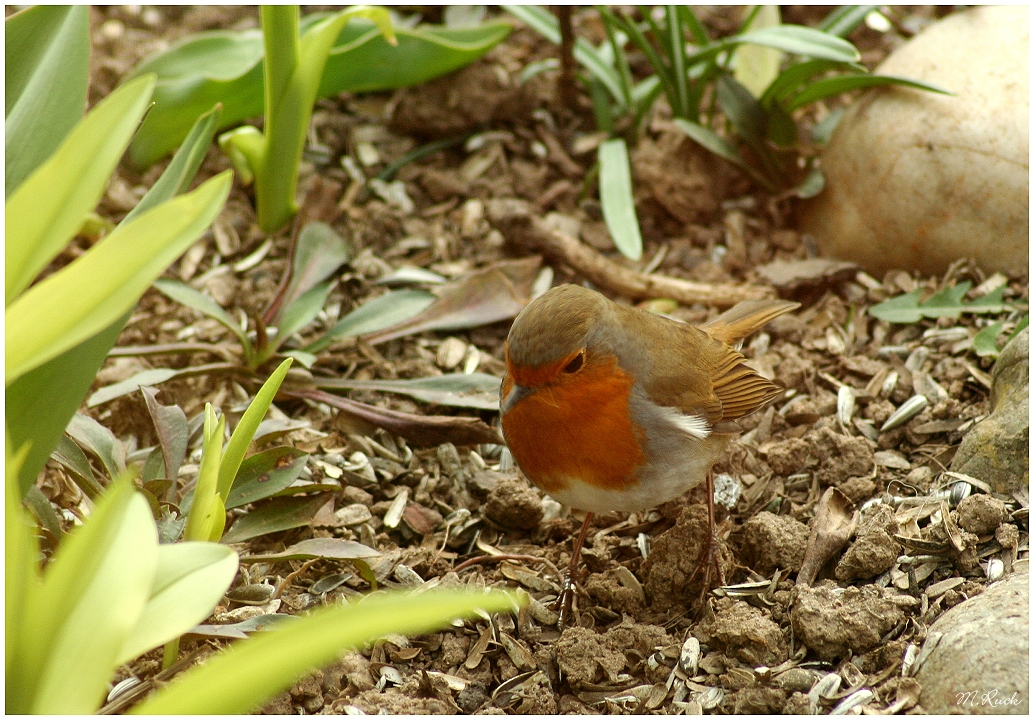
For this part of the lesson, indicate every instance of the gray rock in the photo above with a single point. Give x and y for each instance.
(980, 662)
(915, 180)
(996, 450)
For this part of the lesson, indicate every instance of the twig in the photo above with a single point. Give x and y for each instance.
(282, 585)
(565, 85)
(174, 348)
(522, 227)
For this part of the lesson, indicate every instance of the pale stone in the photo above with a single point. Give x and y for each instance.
(914, 179)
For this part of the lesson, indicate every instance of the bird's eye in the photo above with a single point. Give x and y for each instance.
(575, 364)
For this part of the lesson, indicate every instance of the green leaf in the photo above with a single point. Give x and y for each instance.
(797, 74)
(811, 185)
(900, 309)
(542, 21)
(43, 400)
(616, 198)
(186, 295)
(265, 474)
(86, 296)
(21, 583)
(245, 430)
(170, 423)
(298, 314)
(180, 172)
(985, 342)
(382, 312)
(100, 441)
(207, 514)
(144, 378)
(320, 251)
(949, 302)
(253, 670)
(276, 515)
(720, 147)
(189, 581)
(800, 40)
(756, 66)
(326, 548)
(829, 87)
(46, 73)
(744, 112)
(844, 19)
(46, 210)
(473, 390)
(226, 67)
(93, 593)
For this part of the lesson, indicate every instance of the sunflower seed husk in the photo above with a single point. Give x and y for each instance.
(825, 687)
(889, 383)
(689, 656)
(855, 699)
(398, 505)
(995, 569)
(845, 404)
(908, 410)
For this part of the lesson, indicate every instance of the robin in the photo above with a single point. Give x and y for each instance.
(606, 407)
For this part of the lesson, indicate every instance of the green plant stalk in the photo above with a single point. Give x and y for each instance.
(293, 69)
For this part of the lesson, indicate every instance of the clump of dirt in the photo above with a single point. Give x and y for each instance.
(746, 633)
(773, 541)
(834, 622)
(673, 576)
(514, 505)
(981, 514)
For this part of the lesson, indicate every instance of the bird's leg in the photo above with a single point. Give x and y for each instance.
(563, 603)
(710, 554)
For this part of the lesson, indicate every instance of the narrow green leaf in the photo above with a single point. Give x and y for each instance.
(93, 593)
(189, 581)
(617, 200)
(265, 474)
(844, 19)
(300, 313)
(43, 511)
(245, 430)
(828, 87)
(542, 21)
(46, 73)
(144, 378)
(45, 211)
(710, 140)
(255, 669)
(276, 515)
(186, 295)
(180, 172)
(382, 312)
(800, 40)
(86, 296)
(797, 74)
(473, 390)
(327, 548)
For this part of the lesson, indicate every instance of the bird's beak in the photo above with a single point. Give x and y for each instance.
(516, 394)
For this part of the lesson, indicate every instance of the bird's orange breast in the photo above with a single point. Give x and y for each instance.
(576, 428)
